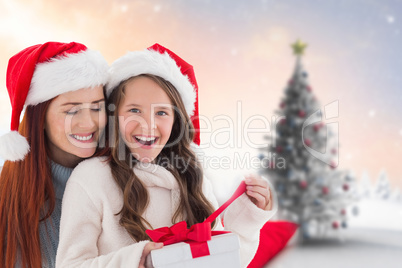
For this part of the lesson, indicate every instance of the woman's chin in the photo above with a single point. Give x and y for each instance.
(85, 153)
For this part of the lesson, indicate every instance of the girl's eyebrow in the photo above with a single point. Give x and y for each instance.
(133, 104)
(78, 103)
(164, 107)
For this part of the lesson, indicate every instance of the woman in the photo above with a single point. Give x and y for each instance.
(61, 86)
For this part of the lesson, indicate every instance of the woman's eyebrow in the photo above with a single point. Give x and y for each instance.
(100, 100)
(78, 103)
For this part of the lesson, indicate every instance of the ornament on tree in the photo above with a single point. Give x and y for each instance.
(279, 149)
(335, 225)
(345, 187)
(344, 225)
(316, 127)
(307, 142)
(271, 165)
(333, 165)
(303, 184)
(282, 105)
(343, 212)
(302, 113)
(325, 190)
(309, 89)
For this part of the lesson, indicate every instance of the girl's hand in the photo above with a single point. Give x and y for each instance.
(145, 253)
(259, 192)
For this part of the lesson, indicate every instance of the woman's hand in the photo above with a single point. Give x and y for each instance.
(145, 253)
(259, 192)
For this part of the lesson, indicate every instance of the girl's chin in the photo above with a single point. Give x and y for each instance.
(143, 159)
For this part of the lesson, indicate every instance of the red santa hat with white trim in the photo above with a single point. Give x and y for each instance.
(42, 72)
(160, 61)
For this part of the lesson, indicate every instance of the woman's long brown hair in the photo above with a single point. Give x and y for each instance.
(25, 186)
(194, 207)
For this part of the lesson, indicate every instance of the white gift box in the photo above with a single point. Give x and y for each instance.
(223, 249)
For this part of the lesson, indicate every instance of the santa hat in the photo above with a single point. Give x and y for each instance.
(42, 72)
(160, 61)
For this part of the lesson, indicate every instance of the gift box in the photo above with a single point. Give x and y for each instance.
(223, 253)
(197, 246)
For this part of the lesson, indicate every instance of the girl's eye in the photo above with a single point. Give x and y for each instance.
(134, 110)
(161, 113)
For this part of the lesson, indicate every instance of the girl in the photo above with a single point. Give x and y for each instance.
(151, 178)
(61, 87)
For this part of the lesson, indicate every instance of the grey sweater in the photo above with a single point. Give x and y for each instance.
(49, 229)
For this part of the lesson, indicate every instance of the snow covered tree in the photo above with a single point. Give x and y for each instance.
(382, 187)
(365, 186)
(301, 160)
(396, 196)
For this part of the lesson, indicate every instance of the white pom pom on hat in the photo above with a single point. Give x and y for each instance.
(42, 72)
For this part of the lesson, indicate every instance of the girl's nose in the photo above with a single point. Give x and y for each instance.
(149, 123)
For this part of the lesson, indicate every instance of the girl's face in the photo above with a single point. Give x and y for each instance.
(73, 123)
(146, 117)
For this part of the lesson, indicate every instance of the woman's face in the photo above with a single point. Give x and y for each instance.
(146, 118)
(74, 121)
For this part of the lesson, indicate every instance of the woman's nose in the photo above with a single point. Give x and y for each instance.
(87, 119)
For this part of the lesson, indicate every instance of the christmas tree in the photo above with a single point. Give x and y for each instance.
(301, 160)
(383, 188)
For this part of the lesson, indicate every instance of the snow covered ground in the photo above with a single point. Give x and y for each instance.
(378, 214)
(368, 248)
(373, 239)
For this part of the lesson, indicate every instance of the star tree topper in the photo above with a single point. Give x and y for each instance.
(299, 47)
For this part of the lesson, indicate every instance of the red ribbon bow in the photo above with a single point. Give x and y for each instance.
(198, 234)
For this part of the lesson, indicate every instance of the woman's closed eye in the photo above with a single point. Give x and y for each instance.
(98, 107)
(72, 111)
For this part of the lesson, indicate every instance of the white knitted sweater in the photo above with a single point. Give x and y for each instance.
(90, 233)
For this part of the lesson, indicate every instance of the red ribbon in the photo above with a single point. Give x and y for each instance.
(198, 234)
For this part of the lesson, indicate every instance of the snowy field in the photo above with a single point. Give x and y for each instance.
(368, 248)
(374, 239)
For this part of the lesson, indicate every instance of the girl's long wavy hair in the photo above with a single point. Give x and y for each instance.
(194, 207)
(25, 187)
